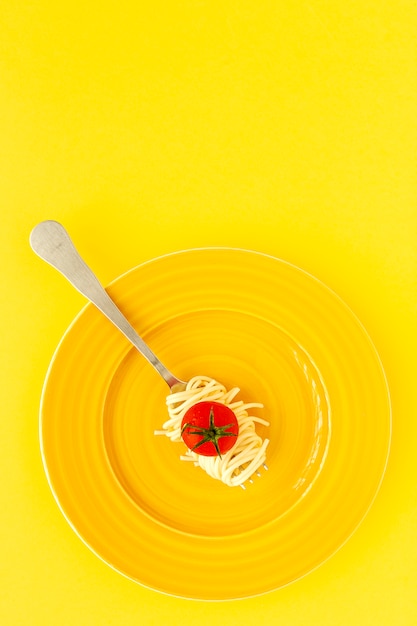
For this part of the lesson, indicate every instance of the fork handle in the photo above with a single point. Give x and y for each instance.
(51, 242)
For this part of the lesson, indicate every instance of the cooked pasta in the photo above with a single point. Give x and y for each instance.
(249, 452)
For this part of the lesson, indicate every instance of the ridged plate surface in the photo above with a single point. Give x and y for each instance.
(250, 321)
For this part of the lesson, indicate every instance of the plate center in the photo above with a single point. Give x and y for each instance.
(239, 350)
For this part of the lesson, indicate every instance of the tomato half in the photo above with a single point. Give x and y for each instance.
(209, 428)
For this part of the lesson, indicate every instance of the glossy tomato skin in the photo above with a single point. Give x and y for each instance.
(202, 416)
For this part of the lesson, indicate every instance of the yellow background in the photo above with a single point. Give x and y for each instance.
(287, 127)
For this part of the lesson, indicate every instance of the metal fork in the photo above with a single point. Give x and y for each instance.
(51, 242)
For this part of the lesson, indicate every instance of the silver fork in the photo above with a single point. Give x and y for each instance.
(52, 243)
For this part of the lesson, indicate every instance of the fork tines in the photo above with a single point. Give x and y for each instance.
(250, 480)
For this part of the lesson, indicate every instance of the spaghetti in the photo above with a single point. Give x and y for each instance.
(249, 452)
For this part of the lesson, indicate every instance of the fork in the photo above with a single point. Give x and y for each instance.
(51, 242)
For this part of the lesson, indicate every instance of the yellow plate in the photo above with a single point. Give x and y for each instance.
(248, 320)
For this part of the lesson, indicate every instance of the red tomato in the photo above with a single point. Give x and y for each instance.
(209, 428)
